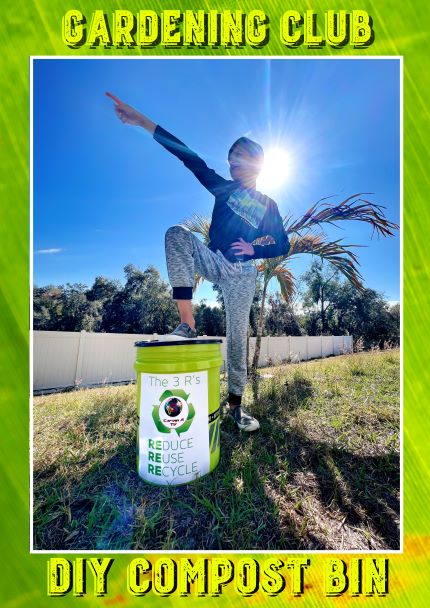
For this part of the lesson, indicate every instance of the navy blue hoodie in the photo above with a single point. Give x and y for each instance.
(238, 211)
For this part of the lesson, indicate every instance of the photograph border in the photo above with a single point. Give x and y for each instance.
(325, 552)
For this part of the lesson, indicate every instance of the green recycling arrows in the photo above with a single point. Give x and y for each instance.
(156, 412)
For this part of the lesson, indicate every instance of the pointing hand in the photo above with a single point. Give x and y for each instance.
(127, 114)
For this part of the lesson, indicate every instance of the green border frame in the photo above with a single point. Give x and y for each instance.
(34, 29)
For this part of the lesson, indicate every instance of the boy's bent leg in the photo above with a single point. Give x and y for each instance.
(186, 255)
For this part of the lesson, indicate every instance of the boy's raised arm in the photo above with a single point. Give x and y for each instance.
(206, 176)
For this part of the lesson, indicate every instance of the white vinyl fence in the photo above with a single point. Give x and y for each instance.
(63, 359)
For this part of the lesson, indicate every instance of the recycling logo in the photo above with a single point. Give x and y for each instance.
(173, 412)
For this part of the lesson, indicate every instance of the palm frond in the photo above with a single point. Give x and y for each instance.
(352, 208)
(286, 282)
(263, 240)
(267, 266)
(198, 280)
(339, 255)
(198, 224)
(312, 242)
(277, 268)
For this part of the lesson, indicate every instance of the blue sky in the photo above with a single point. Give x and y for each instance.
(105, 193)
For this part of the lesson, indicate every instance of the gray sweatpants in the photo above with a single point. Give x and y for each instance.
(185, 256)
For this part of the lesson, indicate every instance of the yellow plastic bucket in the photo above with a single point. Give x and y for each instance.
(178, 404)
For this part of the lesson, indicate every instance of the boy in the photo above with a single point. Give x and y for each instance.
(240, 216)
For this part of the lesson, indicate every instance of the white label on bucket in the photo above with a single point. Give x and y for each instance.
(173, 427)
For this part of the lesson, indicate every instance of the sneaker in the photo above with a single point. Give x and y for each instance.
(243, 419)
(182, 332)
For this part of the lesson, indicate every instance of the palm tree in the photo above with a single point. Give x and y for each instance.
(307, 236)
(199, 225)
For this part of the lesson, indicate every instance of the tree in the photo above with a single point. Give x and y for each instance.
(307, 236)
(77, 312)
(210, 320)
(144, 305)
(322, 285)
(103, 290)
(394, 324)
(366, 314)
(47, 307)
(280, 318)
(269, 269)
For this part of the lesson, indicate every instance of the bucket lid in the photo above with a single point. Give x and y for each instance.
(188, 342)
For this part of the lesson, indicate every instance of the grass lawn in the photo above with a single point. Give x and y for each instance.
(323, 472)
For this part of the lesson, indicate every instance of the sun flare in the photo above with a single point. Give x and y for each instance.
(276, 170)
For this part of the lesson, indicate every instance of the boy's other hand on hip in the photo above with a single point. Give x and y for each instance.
(241, 247)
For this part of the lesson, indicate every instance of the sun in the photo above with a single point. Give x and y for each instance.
(276, 170)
